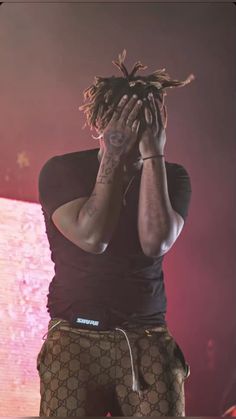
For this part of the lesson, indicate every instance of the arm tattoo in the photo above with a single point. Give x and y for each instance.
(106, 170)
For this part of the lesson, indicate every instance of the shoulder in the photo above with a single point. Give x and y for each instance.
(78, 159)
(88, 153)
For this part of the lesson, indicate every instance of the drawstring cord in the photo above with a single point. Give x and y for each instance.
(126, 190)
(135, 385)
(49, 330)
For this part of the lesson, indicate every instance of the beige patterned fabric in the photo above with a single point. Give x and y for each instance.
(88, 373)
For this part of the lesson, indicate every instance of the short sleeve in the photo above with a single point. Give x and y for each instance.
(59, 183)
(180, 190)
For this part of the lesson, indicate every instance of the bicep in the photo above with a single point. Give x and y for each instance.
(63, 190)
(65, 218)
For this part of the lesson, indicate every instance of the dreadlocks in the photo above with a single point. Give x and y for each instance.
(105, 93)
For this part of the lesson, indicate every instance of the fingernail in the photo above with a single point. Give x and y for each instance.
(139, 102)
(125, 96)
(135, 96)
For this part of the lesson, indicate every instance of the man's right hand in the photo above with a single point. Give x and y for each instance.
(121, 132)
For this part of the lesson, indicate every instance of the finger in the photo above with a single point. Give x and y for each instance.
(118, 109)
(135, 126)
(156, 110)
(148, 115)
(159, 103)
(133, 114)
(163, 119)
(166, 117)
(128, 108)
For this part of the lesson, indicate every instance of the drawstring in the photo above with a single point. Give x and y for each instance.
(126, 190)
(135, 385)
(49, 330)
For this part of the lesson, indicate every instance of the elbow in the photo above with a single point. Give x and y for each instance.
(155, 251)
(95, 248)
(99, 248)
(158, 246)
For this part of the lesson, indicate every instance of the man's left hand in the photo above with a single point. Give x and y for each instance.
(153, 138)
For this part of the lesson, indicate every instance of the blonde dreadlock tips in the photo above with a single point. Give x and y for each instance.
(105, 92)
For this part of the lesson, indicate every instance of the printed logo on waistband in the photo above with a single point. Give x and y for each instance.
(87, 321)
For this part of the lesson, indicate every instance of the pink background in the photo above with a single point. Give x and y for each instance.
(49, 54)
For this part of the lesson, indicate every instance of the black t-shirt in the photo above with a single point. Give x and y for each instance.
(121, 282)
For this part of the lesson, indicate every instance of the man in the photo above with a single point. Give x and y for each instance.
(111, 214)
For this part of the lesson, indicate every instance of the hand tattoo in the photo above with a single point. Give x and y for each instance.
(117, 139)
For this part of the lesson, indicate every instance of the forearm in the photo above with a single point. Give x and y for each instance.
(100, 214)
(155, 213)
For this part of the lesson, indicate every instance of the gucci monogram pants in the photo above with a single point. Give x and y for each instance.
(131, 372)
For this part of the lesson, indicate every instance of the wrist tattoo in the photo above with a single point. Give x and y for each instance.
(106, 170)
